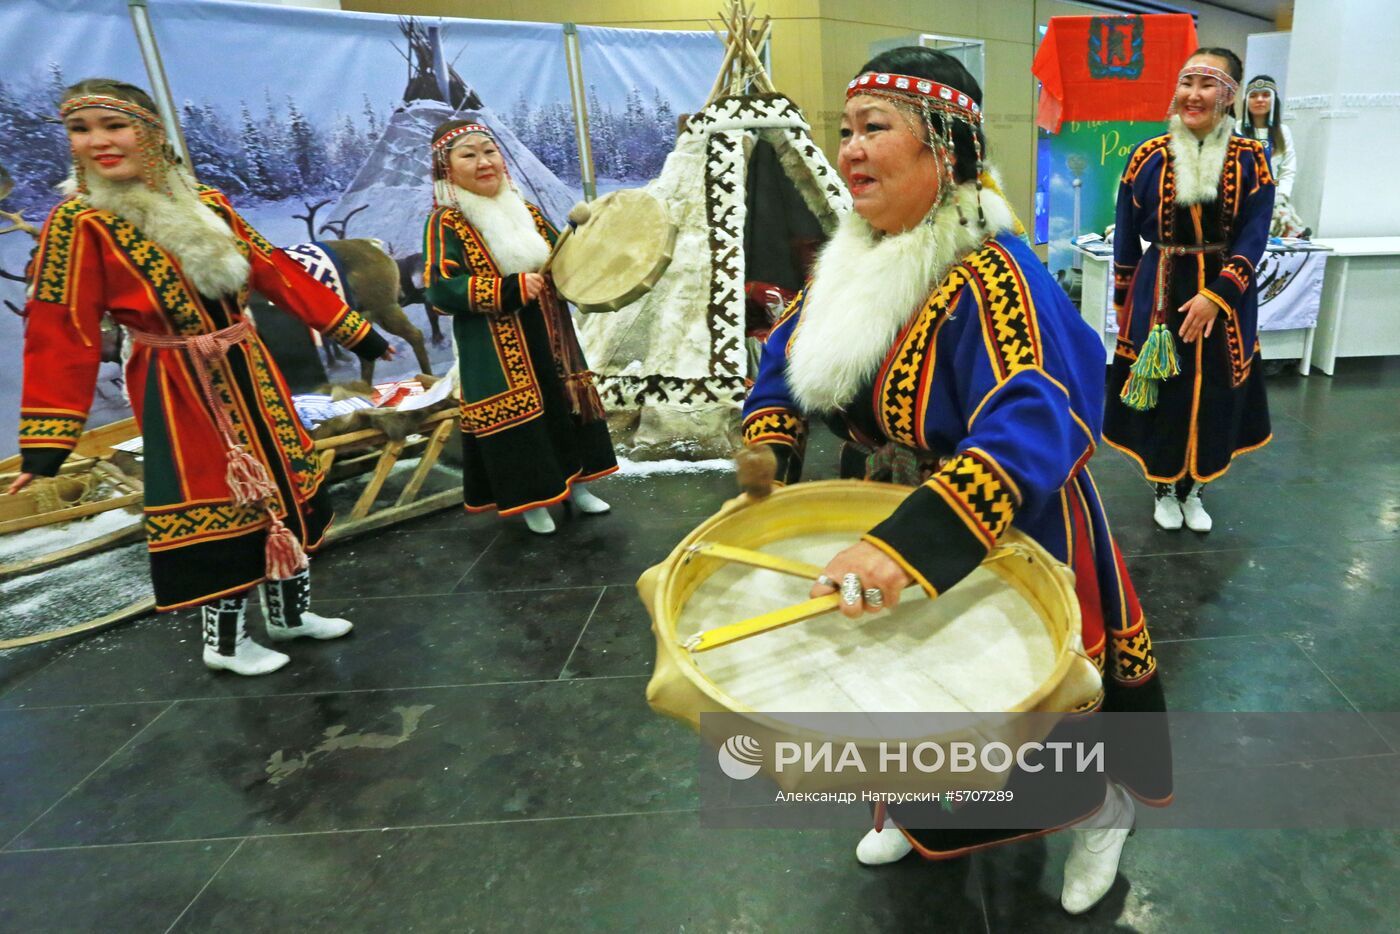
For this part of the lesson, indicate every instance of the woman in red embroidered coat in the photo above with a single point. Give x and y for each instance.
(232, 484)
(533, 428)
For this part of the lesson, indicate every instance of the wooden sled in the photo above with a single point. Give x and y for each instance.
(371, 450)
(94, 464)
(356, 453)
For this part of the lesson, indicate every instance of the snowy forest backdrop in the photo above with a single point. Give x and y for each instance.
(269, 149)
(293, 117)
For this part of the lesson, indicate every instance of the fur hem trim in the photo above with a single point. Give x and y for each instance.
(866, 287)
(201, 242)
(1197, 164)
(504, 222)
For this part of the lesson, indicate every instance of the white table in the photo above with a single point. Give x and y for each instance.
(1360, 314)
(1096, 303)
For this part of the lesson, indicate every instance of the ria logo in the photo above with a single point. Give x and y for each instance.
(740, 757)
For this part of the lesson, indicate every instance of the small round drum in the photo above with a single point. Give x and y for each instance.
(617, 255)
(1005, 640)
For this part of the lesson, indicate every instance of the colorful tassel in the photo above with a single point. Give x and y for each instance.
(583, 398)
(1139, 392)
(285, 556)
(1156, 361)
(894, 463)
(248, 482)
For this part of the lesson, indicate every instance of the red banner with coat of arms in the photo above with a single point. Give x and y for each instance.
(1110, 67)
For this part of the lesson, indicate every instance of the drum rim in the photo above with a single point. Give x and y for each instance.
(684, 662)
(648, 281)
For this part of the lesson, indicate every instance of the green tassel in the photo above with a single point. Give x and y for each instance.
(1158, 359)
(1139, 392)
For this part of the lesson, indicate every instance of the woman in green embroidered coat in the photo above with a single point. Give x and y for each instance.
(533, 428)
(232, 483)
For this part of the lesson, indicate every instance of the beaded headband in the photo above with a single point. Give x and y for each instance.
(445, 143)
(154, 152)
(444, 192)
(930, 97)
(1259, 85)
(944, 97)
(1225, 79)
(107, 102)
(1263, 86)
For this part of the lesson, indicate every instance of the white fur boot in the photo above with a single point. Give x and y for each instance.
(878, 847)
(1194, 512)
(1092, 864)
(226, 643)
(587, 502)
(286, 608)
(1167, 510)
(539, 521)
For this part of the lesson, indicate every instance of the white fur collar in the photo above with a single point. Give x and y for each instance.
(1197, 164)
(184, 226)
(867, 286)
(504, 222)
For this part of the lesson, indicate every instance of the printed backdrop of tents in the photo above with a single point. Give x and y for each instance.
(391, 195)
(315, 105)
(673, 366)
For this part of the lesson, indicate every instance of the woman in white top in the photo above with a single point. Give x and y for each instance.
(1263, 121)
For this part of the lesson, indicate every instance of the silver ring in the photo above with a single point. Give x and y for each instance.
(850, 590)
(826, 582)
(874, 596)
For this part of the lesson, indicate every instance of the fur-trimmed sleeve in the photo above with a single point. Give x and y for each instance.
(770, 416)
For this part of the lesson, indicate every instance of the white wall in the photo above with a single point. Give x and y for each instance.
(1344, 101)
(1267, 54)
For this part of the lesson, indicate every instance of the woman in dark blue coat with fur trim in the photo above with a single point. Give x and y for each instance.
(933, 341)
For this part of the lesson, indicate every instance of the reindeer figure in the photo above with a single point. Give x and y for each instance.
(411, 292)
(16, 223)
(374, 281)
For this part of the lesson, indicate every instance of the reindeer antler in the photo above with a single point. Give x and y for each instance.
(338, 227)
(7, 185)
(310, 216)
(17, 223)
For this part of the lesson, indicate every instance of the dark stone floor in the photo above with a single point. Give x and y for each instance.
(478, 756)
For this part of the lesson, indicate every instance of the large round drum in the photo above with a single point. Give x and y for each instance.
(617, 255)
(1005, 640)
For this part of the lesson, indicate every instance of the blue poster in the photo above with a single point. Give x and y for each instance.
(640, 82)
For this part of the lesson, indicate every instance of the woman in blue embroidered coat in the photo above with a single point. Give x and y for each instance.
(933, 341)
(1185, 396)
(233, 492)
(533, 428)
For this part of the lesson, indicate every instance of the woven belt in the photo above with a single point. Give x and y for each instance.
(1180, 249)
(249, 483)
(204, 351)
(1164, 271)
